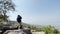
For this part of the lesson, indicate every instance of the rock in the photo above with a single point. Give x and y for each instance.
(0, 32)
(13, 32)
(19, 31)
(38, 32)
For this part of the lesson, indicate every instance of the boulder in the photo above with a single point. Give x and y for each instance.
(19, 31)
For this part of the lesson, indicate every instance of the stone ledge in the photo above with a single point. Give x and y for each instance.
(19, 31)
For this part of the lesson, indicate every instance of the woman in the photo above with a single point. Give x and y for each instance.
(19, 20)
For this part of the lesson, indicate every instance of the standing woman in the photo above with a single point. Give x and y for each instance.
(19, 21)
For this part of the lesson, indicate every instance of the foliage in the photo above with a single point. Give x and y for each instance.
(47, 29)
(2, 18)
(6, 6)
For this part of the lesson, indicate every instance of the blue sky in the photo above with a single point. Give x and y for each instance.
(41, 12)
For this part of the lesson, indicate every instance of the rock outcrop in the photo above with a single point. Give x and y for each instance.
(19, 31)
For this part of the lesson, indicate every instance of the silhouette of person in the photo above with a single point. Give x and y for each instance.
(19, 21)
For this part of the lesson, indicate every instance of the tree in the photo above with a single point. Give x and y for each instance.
(6, 6)
(56, 31)
(2, 18)
(49, 29)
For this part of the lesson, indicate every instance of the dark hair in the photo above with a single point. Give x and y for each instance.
(18, 16)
